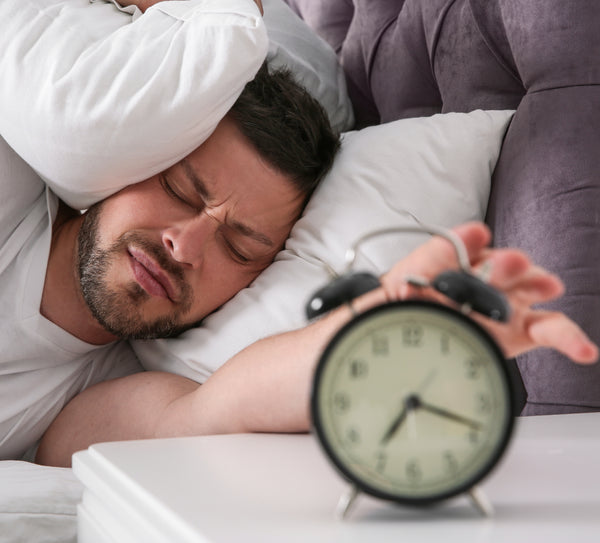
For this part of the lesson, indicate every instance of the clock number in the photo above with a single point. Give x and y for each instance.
(341, 402)
(358, 368)
(473, 368)
(381, 461)
(474, 437)
(380, 345)
(413, 471)
(412, 335)
(484, 403)
(353, 436)
(445, 344)
(450, 462)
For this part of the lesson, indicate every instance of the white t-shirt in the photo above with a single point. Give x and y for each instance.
(41, 366)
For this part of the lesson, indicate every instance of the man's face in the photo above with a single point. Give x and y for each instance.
(162, 254)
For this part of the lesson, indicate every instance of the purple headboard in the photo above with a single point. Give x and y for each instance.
(407, 58)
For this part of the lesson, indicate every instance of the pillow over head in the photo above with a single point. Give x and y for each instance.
(95, 99)
(436, 169)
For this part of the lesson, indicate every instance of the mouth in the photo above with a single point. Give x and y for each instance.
(150, 276)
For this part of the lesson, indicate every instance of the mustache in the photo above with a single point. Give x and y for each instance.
(156, 251)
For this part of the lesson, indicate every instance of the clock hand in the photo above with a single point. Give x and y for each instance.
(449, 415)
(410, 403)
(394, 426)
(427, 381)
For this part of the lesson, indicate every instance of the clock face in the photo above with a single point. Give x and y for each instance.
(412, 402)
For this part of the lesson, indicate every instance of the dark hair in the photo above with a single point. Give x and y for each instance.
(287, 126)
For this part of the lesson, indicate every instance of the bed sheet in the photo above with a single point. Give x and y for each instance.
(38, 503)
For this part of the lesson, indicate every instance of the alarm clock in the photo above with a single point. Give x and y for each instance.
(412, 400)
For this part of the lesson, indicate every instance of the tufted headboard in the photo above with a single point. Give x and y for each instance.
(408, 58)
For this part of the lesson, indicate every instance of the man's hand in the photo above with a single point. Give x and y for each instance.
(510, 271)
(143, 5)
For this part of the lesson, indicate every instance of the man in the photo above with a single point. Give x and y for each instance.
(160, 255)
(151, 260)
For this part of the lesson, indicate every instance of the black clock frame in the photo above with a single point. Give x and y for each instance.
(355, 480)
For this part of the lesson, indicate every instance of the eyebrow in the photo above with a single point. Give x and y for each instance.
(196, 181)
(242, 228)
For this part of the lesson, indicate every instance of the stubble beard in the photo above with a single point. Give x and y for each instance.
(119, 311)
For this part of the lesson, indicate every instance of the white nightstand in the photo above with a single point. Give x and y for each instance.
(280, 488)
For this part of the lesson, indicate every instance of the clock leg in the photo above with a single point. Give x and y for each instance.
(481, 501)
(345, 503)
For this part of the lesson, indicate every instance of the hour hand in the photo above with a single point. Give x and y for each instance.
(409, 404)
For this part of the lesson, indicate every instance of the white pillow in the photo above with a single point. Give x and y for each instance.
(95, 99)
(293, 44)
(437, 169)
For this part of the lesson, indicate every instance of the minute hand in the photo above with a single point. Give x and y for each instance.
(450, 415)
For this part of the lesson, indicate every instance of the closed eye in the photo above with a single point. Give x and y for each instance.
(232, 249)
(168, 188)
(235, 253)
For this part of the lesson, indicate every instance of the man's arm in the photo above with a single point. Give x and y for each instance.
(266, 387)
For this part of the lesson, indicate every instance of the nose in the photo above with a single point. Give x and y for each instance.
(187, 240)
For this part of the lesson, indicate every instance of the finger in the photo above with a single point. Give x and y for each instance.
(557, 331)
(438, 254)
(502, 268)
(475, 235)
(512, 272)
(435, 256)
(536, 289)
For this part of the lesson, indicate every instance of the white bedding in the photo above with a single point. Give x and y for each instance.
(37, 503)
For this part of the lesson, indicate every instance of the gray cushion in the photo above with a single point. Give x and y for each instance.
(419, 57)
